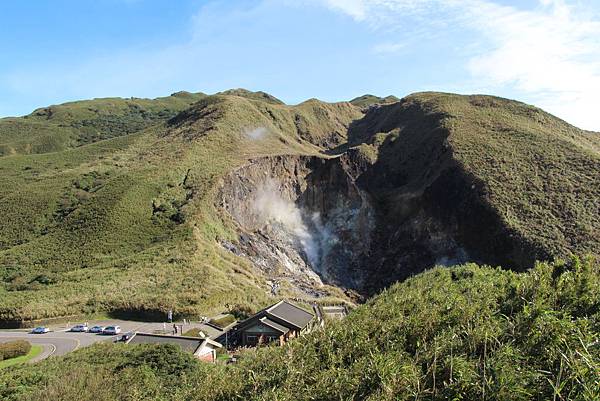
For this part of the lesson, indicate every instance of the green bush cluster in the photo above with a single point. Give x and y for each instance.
(13, 349)
(463, 333)
(167, 360)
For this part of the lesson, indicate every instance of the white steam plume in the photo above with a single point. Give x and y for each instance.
(272, 207)
(256, 133)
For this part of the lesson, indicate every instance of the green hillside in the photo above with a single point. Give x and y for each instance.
(108, 205)
(466, 332)
(508, 181)
(57, 128)
(127, 224)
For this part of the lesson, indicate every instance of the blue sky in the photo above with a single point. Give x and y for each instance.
(544, 52)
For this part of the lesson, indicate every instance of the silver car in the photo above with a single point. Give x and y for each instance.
(79, 328)
(96, 329)
(111, 330)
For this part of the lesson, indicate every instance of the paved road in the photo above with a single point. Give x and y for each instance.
(53, 343)
(61, 341)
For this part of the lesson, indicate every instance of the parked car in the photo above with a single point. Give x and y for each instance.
(111, 330)
(96, 329)
(126, 336)
(79, 328)
(40, 330)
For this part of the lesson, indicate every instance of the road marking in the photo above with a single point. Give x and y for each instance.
(53, 350)
(52, 346)
(42, 356)
(32, 337)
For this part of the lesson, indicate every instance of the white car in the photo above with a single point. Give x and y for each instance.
(97, 329)
(40, 330)
(79, 328)
(111, 330)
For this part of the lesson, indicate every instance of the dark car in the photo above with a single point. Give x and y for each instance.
(126, 336)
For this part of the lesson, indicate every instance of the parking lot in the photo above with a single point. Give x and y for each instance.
(60, 340)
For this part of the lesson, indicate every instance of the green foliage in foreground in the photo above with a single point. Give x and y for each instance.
(13, 349)
(463, 333)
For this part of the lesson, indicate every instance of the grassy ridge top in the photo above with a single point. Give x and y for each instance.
(369, 100)
(467, 332)
(60, 127)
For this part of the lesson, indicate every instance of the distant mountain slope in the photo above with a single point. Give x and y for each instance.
(369, 100)
(68, 125)
(137, 210)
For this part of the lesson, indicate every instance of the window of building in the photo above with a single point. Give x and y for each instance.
(251, 339)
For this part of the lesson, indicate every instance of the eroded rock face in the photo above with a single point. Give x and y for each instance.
(394, 201)
(310, 221)
(300, 218)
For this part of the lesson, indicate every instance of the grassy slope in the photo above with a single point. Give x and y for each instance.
(128, 223)
(541, 174)
(467, 332)
(68, 125)
(538, 173)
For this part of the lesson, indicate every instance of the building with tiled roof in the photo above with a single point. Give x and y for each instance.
(279, 322)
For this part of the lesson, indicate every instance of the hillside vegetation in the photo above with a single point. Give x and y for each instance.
(108, 205)
(56, 128)
(468, 332)
(508, 182)
(366, 101)
(127, 224)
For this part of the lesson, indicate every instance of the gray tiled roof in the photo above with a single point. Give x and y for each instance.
(290, 313)
(275, 325)
(186, 343)
(210, 331)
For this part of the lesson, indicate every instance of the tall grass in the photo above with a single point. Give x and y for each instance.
(470, 332)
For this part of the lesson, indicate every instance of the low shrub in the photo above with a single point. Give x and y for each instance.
(165, 359)
(461, 333)
(13, 349)
(195, 332)
(242, 312)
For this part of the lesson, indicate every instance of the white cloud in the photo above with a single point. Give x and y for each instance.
(386, 48)
(552, 54)
(355, 8)
(549, 55)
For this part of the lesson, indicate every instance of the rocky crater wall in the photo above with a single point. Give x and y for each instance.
(391, 204)
(312, 220)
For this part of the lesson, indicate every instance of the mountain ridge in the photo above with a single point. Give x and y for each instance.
(134, 213)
